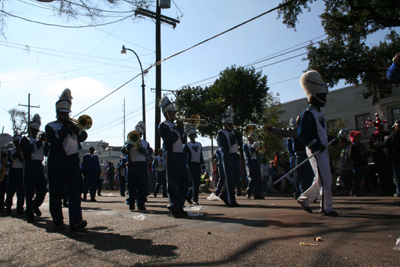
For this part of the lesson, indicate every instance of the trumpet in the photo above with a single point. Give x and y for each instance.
(84, 122)
(248, 130)
(134, 139)
(194, 120)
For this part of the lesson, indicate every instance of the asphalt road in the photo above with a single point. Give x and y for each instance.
(259, 233)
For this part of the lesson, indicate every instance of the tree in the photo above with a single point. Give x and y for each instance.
(19, 120)
(93, 10)
(345, 54)
(242, 88)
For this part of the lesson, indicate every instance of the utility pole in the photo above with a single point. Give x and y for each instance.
(159, 18)
(29, 107)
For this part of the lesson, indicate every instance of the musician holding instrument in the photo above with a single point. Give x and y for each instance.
(253, 168)
(174, 138)
(65, 135)
(4, 169)
(229, 141)
(16, 178)
(195, 162)
(34, 149)
(312, 133)
(138, 151)
(304, 175)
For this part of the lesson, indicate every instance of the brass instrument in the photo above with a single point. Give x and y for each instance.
(248, 130)
(194, 120)
(41, 134)
(134, 139)
(84, 122)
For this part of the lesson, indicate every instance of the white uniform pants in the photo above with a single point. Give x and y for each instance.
(322, 183)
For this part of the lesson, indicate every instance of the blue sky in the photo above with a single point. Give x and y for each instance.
(43, 60)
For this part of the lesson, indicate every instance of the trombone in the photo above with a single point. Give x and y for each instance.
(84, 122)
(248, 130)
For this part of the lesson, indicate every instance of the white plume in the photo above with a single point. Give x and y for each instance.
(66, 95)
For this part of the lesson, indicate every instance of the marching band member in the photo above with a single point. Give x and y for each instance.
(158, 167)
(91, 171)
(195, 162)
(253, 168)
(174, 138)
(121, 169)
(16, 178)
(34, 149)
(229, 142)
(4, 168)
(312, 133)
(65, 136)
(304, 175)
(137, 169)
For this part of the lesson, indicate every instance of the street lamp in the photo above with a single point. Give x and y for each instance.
(123, 52)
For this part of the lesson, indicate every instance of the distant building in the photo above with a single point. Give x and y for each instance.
(348, 103)
(98, 146)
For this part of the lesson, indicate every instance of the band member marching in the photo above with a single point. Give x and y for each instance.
(138, 154)
(312, 133)
(34, 149)
(91, 172)
(158, 167)
(195, 162)
(65, 137)
(174, 138)
(253, 168)
(229, 142)
(16, 178)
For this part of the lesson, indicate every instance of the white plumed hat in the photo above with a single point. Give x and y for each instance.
(312, 84)
(64, 103)
(35, 122)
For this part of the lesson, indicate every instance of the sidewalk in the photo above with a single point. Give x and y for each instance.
(259, 233)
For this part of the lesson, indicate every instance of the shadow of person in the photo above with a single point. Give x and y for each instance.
(103, 239)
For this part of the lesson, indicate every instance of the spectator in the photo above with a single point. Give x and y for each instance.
(345, 165)
(392, 143)
(358, 156)
(393, 73)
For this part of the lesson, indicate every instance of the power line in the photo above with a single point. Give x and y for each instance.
(65, 26)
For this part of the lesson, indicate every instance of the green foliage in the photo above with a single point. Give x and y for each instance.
(242, 88)
(334, 149)
(345, 54)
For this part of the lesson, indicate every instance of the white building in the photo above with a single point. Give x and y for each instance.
(348, 103)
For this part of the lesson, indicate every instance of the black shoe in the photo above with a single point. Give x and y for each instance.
(165, 196)
(141, 207)
(31, 219)
(8, 210)
(65, 204)
(224, 199)
(234, 204)
(330, 214)
(93, 200)
(155, 194)
(99, 194)
(189, 200)
(308, 209)
(248, 196)
(58, 227)
(131, 207)
(78, 226)
(122, 195)
(177, 215)
(37, 211)
(259, 197)
(20, 211)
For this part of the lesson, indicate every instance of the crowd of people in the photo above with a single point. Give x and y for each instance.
(179, 166)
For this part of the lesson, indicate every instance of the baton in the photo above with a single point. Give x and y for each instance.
(341, 133)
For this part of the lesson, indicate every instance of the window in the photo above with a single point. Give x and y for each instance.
(395, 115)
(360, 124)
